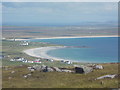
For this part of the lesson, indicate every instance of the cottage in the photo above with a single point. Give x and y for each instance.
(30, 62)
(25, 43)
(25, 61)
(68, 62)
(18, 59)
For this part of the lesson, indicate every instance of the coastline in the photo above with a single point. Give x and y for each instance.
(68, 37)
(42, 52)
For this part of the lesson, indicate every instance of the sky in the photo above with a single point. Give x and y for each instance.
(64, 13)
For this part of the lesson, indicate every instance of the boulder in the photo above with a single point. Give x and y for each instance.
(87, 69)
(82, 70)
(29, 74)
(66, 71)
(13, 72)
(25, 76)
(57, 69)
(98, 67)
(107, 76)
(43, 67)
(37, 67)
(29, 68)
(32, 69)
(50, 70)
(9, 78)
(79, 70)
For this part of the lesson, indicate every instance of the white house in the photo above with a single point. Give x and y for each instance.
(68, 62)
(17, 59)
(20, 59)
(30, 62)
(25, 43)
(25, 61)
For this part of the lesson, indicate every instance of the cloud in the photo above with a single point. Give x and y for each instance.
(111, 6)
(42, 7)
(59, 12)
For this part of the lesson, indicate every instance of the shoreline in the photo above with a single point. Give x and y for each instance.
(67, 37)
(42, 52)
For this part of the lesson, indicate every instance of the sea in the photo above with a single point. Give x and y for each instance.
(88, 50)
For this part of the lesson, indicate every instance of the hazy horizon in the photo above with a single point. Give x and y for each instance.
(59, 14)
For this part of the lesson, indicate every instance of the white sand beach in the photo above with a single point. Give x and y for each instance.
(78, 37)
(42, 52)
(67, 37)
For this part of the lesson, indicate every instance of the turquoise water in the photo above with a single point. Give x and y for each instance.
(100, 50)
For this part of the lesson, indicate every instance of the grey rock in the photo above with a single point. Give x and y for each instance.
(13, 72)
(50, 70)
(83, 69)
(57, 69)
(32, 70)
(98, 67)
(66, 71)
(107, 76)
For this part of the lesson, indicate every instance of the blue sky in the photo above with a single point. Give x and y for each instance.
(59, 12)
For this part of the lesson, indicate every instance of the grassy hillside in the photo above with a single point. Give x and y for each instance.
(59, 79)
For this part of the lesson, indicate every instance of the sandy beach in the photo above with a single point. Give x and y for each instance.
(67, 37)
(42, 52)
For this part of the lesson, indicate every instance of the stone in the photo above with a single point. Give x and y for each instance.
(98, 67)
(66, 71)
(57, 69)
(25, 76)
(50, 70)
(13, 72)
(83, 70)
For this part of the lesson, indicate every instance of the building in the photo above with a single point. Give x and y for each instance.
(24, 43)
